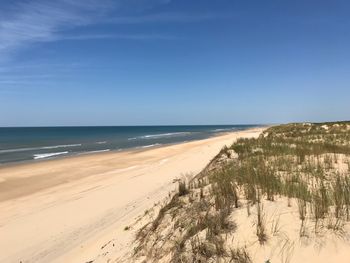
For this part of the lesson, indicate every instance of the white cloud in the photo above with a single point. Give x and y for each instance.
(41, 21)
(28, 22)
(119, 36)
(167, 17)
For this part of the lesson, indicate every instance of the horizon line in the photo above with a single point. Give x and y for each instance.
(150, 125)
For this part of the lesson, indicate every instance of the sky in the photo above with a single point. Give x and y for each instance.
(172, 62)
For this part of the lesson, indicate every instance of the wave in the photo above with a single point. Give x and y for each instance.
(47, 155)
(149, 146)
(161, 135)
(227, 129)
(61, 146)
(103, 142)
(39, 148)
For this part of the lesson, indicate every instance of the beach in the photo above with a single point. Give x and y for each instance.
(65, 210)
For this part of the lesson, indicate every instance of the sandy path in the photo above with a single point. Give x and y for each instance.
(65, 210)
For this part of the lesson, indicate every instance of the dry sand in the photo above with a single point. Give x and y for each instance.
(65, 210)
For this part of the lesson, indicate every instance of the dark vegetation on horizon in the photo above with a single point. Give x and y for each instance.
(307, 164)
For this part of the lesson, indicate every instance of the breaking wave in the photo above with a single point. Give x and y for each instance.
(47, 155)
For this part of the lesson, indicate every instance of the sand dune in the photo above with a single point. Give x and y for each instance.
(65, 210)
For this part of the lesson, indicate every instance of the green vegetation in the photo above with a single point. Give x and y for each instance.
(307, 163)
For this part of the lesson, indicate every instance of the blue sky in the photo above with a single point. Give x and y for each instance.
(139, 62)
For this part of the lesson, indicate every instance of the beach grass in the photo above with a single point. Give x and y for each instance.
(306, 163)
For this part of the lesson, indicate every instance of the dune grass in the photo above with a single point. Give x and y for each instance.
(307, 163)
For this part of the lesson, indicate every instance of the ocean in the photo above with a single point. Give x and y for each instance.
(42, 143)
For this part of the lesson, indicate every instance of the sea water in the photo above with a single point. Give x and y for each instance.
(41, 143)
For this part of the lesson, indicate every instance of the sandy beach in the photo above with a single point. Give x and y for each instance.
(174, 131)
(65, 210)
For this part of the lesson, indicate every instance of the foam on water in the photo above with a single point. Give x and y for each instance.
(28, 143)
(151, 145)
(161, 135)
(219, 130)
(47, 155)
(38, 148)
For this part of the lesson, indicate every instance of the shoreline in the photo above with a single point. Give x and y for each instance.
(6, 168)
(64, 210)
(109, 151)
(125, 150)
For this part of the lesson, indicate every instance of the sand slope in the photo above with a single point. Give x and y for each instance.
(66, 210)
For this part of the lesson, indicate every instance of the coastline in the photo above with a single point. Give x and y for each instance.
(7, 168)
(35, 144)
(64, 209)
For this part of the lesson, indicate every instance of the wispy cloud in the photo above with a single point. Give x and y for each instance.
(40, 21)
(24, 23)
(29, 22)
(168, 17)
(36, 73)
(119, 36)
(13, 79)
